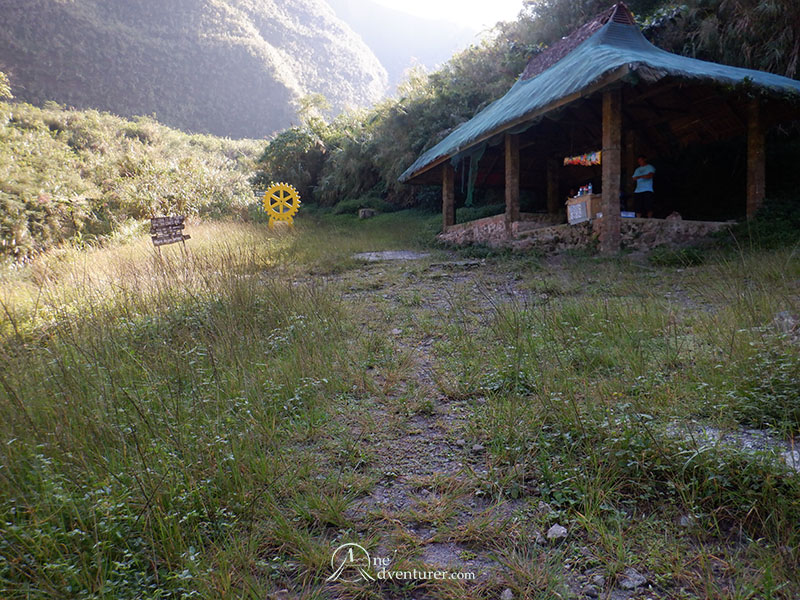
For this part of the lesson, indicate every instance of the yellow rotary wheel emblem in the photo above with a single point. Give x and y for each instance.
(281, 201)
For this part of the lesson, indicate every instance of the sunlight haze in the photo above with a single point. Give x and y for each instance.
(477, 15)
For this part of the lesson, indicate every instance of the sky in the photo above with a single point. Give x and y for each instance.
(476, 14)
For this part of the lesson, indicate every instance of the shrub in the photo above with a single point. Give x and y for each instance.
(664, 256)
(295, 156)
(66, 174)
(352, 205)
(5, 87)
(776, 225)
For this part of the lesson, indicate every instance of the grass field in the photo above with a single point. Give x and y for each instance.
(215, 424)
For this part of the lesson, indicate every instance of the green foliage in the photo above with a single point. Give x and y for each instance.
(311, 108)
(295, 156)
(776, 225)
(5, 87)
(81, 176)
(664, 256)
(349, 169)
(769, 398)
(351, 206)
(472, 213)
(758, 34)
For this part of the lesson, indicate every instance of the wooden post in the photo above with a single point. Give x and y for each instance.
(448, 196)
(554, 207)
(512, 180)
(756, 180)
(611, 159)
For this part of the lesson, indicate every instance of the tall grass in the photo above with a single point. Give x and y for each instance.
(591, 394)
(200, 422)
(159, 417)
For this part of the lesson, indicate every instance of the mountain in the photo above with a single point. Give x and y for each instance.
(401, 40)
(227, 67)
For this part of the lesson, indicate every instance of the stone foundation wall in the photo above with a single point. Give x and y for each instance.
(491, 231)
(644, 234)
(535, 232)
(557, 238)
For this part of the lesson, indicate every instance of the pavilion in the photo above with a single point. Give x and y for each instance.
(606, 86)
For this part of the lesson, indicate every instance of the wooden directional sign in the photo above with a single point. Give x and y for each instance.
(168, 230)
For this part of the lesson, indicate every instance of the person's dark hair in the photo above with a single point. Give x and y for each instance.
(642, 156)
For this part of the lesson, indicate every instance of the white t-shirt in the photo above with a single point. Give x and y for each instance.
(644, 184)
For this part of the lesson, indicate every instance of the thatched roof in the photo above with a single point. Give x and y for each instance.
(608, 50)
(550, 56)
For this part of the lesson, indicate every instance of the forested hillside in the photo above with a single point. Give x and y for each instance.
(227, 67)
(357, 158)
(85, 176)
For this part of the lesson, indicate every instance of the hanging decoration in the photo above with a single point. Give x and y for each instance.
(584, 160)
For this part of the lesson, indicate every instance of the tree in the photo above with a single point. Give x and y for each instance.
(757, 34)
(295, 156)
(312, 107)
(5, 86)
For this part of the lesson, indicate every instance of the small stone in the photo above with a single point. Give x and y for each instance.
(632, 579)
(540, 539)
(507, 594)
(461, 442)
(686, 521)
(590, 591)
(556, 532)
(544, 508)
(477, 448)
(785, 321)
(792, 459)
(599, 581)
(397, 331)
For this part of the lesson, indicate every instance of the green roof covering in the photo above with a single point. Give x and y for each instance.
(615, 51)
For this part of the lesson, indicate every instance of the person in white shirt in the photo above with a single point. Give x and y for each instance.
(643, 195)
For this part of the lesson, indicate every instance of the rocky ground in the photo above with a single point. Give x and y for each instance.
(435, 504)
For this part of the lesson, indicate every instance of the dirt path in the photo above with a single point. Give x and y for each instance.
(425, 505)
(436, 503)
